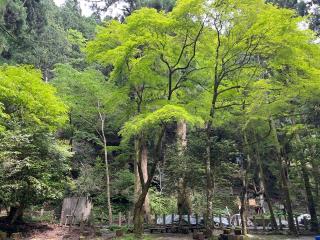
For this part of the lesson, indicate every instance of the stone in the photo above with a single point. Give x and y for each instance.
(3, 235)
(16, 236)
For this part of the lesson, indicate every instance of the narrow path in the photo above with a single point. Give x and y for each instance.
(169, 236)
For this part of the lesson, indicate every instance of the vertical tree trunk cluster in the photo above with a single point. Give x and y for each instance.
(183, 199)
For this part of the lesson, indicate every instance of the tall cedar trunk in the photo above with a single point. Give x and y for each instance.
(265, 191)
(243, 203)
(284, 180)
(138, 206)
(244, 190)
(305, 175)
(104, 140)
(316, 177)
(311, 203)
(183, 201)
(209, 181)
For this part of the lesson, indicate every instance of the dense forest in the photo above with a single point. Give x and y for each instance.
(188, 107)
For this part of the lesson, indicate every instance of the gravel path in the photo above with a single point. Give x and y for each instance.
(264, 237)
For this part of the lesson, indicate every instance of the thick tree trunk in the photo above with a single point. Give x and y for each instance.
(183, 201)
(138, 207)
(316, 177)
(284, 180)
(311, 203)
(142, 158)
(265, 190)
(243, 204)
(15, 214)
(306, 179)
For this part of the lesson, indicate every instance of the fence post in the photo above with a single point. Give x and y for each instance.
(164, 219)
(263, 223)
(297, 224)
(237, 220)
(119, 216)
(197, 220)
(155, 219)
(220, 221)
(305, 223)
(280, 222)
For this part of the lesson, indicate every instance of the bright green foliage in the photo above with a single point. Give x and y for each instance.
(144, 124)
(29, 101)
(33, 165)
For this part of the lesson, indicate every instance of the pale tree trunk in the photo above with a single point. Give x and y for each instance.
(104, 140)
(144, 167)
(284, 179)
(184, 201)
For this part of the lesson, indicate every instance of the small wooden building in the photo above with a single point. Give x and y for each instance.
(75, 210)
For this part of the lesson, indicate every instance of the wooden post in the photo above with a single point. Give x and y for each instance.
(119, 218)
(129, 216)
(81, 224)
(164, 219)
(237, 220)
(155, 219)
(229, 221)
(305, 223)
(172, 219)
(263, 223)
(254, 223)
(63, 217)
(220, 221)
(212, 220)
(280, 222)
(197, 220)
(189, 219)
(297, 224)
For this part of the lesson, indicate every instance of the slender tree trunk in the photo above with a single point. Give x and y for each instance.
(244, 191)
(209, 181)
(108, 180)
(311, 203)
(284, 180)
(104, 140)
(243, 203)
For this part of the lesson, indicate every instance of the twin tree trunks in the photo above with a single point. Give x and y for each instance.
(143, 179)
